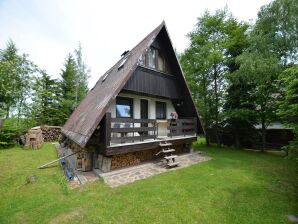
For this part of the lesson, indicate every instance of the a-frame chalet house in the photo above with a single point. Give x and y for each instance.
(137, 107)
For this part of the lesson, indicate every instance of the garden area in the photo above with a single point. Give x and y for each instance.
(236, 186)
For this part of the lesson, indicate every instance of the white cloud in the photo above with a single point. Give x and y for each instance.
(49, 30)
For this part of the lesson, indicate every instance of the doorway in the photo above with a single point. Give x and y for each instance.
(144, 115)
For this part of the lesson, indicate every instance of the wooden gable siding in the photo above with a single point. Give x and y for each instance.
(149, 82)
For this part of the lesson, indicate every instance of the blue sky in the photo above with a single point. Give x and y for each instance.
(49, 29)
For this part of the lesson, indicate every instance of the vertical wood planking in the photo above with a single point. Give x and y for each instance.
(108, 129)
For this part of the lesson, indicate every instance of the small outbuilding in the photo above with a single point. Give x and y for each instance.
(34, 138)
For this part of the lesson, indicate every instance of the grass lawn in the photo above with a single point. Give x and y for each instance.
(234, 187)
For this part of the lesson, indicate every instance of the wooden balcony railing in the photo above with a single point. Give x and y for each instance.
(124, 130)
(131, 130)
(185, 126)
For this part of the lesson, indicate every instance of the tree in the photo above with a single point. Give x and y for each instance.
(238, 107)
(215, 42)
(74, 83)
(83, 71)
(46, 100)
(288, 106)
(239, 110)
(262, 71)
(277, 26)
(68, 87)
(15, 79)
(273, 46)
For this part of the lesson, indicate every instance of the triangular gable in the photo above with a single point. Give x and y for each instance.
(86, 117)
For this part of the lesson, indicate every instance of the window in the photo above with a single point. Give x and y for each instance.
(161, 62)
(155, 59)
(124, 107)
(151, 58)
(105, 76)
(161, 112)
(123, 61)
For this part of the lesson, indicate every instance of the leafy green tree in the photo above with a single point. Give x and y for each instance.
(273, 46)
(238, 108)
(277, 27)
(261, 71)
(199, 81)
(15, 80)
(215, 42)
(239, 111)
(288, 106)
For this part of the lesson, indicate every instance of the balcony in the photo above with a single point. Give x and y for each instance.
(129, 132)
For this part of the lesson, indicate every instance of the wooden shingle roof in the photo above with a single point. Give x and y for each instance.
(84, 120)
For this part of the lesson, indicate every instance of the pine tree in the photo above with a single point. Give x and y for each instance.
(68, 87)
(81, 88)
(46, 100)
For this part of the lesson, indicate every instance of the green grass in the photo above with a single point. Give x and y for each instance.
(234, 187)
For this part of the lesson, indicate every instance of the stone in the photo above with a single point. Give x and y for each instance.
(106, 164)
(293, 218)
(31, 179)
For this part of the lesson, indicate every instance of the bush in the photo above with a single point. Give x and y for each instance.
(10, 132)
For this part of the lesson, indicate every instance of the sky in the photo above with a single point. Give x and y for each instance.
(48, 30)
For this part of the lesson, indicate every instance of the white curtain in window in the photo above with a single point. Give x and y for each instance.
(151, 58)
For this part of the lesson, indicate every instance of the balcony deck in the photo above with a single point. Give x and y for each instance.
(124, 135)
(158, 139)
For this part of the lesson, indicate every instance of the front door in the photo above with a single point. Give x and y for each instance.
(144, 109)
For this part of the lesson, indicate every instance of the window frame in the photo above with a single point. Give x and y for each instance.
(164, 104)
(159, 54)
(130, 104)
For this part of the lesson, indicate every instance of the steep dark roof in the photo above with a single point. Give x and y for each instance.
(86, 117)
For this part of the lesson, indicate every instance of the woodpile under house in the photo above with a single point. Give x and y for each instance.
(140, 107)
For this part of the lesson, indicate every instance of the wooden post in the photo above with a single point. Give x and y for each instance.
(195, 125)
(108, 129)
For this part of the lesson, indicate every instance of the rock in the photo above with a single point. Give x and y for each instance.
(293, 218)
(31, 179)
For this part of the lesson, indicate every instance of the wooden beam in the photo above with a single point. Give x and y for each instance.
(121, 149)
(56, 160)
(120, 130)
(108, 129)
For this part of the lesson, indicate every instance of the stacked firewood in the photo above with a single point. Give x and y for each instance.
(51, 133)
(133, 158)
(124, 160)
(147, 154)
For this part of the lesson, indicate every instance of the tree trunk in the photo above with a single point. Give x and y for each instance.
(216, 107)
(19, 111)
(7, 112)
(237, 140)
(206, 122)
(207, 136)
(263, 136)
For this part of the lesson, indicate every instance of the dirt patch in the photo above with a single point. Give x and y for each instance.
(77, 215)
